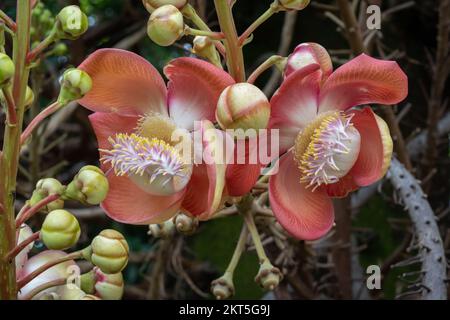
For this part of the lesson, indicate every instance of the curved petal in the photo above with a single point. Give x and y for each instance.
(376, 147)
(194, 89)
(127, 203)
(308, 53)
(305, 214)
(123, 82)
(342, 188)
(294, 105)
(363, 80)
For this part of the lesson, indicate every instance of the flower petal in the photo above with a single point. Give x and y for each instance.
(305, 214)
(294, 105)
(376, 147)
(123, 82)
(363, 80)
(308, 53)
(194, 89)
(342, 188)
(127, 203)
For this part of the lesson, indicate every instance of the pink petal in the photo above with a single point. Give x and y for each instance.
(294, 105)
(123, 82)
(376, 148)
(342, 188)
(363, 80)
(194, 89)
(127, 203)
(305, 214)
(308, 53)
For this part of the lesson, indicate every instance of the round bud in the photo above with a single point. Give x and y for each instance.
(162, 230)
(243, 106)
(268, 276)
(44, 188)
(89, 186)
(152, 5)
(6, 69)
(108, 286)
(223, 288)
(74, 85)
(71, 23)
(110, 251)
(60, 49)
(185, 224)
(294, 4)
(165, 25)
(60, 230)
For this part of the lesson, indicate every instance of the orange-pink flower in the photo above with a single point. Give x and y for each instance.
(330, 148)
(135, 116)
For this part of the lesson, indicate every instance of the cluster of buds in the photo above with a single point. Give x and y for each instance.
(60, 230)
(71, 23)
(165, 25)
(44, 188)
(89, 186)
(75, 83)
(6, 70)
(42, 21)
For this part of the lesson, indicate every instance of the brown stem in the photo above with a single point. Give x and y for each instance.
(35, 209)
(13, 253)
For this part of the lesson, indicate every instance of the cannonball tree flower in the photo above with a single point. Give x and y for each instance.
(330, 148)
(135, 117)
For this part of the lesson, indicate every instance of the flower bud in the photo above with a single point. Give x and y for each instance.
(74, 85)
(162, 230)
(89, 186)
(6, 69)
(268, 276)
(294, 4)
(152, 5)
(110, 251)
(243, 106)
(185, 224)
(205, 48)
(44, 188)
(306, 54)
(70, 292)
(71, 23)
(29, 96)
(60, 230)
(223, 288)
(90, 297)
(60, 49)
(108, 286)
(165, 25)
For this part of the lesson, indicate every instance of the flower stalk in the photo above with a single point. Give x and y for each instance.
(51, 109)
(271, 61)
(27, 214)
(13, 253)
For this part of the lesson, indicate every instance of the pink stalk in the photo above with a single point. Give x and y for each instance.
(34, 209)
(17, 249)
(38, 119)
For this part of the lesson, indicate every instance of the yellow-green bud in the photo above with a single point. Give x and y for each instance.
(90, 297)
(294, 4)
(108, 286)
(152, 5)
(60, 230)
(268, 276)
(29, 96)
(69, 292)
(60, 49)
(44, 188)
(205, 48)
(75, 84)
(71, 23)
(6, 70)
(110, 251)
(162, 230)
(243, 106)
(89, 186)
(185, 224)
(165, 25)
(223, 288)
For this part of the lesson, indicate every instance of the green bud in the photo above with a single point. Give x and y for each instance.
(152, 5)
(162, 230)
(60, 230)
(44, 188)
(223, 288)
(108, 286)
(268, 276)
(166, 25)
(74, 85)
(71, 23)
(6, 70)
(70, 292)
(29, 97)
(110, 251)
(59, 49)
(89, 186)
(294, 4)
(205, 48)
(185, 224)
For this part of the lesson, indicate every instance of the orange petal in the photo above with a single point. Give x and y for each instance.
(305, 214)
(294, 105)
(363, 80)
(194, 89)
(127, 203)
(123, 82)
(376, 147)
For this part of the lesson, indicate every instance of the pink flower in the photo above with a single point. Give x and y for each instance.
(329, 148)
(135, 117)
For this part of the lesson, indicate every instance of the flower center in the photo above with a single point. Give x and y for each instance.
(151, 163)
(327, 149)
(155, 125)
